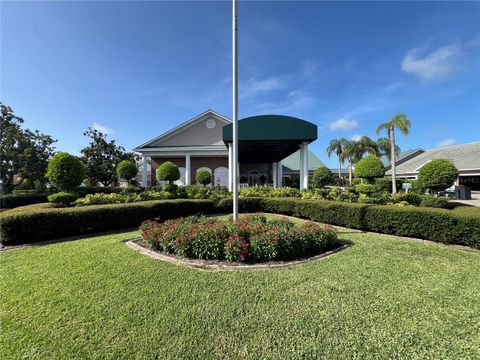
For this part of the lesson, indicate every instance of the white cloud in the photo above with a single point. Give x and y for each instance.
(343, 125)
(103, 129)
(356, 137)
(433, 66)
(447, 142)
(254, 87)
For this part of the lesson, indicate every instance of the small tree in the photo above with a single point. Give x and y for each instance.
(127, 170)
(369, 168)
(437, 175)
(321, 177)
(203, 177)
(168, 171)
(65, 171)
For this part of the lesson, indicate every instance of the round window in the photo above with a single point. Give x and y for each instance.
(211, 123)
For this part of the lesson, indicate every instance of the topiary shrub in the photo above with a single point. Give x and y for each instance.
(437, 175)
(385, 183)
(367, 189)
(63, 198)
(168, 171)
(203, 177)
(65, 171)
(369, 168)
(127, 170)
(322, 176)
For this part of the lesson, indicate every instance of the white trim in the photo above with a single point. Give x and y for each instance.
(184, 148)
(188, 171)
(275, 174)
(185, 125)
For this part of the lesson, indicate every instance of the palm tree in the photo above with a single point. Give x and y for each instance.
(366, 145)
(350, 153)
(402, 123)
(336, 146)
(383, 145)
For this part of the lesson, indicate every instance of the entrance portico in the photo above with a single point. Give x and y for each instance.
(268, 139)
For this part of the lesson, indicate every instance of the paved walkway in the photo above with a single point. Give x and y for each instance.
(475, 200)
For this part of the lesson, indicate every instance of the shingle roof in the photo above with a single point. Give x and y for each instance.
(464, 156)
(292, 162)
(400, 156)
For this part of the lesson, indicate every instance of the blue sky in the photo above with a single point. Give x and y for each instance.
(138, 69)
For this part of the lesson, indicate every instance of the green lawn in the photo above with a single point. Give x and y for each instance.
(383, 297)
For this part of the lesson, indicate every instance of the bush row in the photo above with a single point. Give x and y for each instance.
(458, 226)
(11, 201)
(53, 223)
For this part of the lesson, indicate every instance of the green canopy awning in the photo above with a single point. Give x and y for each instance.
(269, 138)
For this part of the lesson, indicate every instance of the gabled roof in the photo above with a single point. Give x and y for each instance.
(463, 156)
(184, 126)
(292, 162)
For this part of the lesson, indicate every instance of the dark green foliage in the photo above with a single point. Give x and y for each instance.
(127, 170)
(65, 171)
(370, 167)
(385, 184)
(63, 198)
(45, 224)
(168, 171)
(322, 176)
(84, 190)
(437, 175)
(410, 197)
(367, 189)
(203, 177)
(433, 201)
(13, 200)
(24, 153)
(101, 158)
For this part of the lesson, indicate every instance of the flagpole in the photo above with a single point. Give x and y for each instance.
(235, 168)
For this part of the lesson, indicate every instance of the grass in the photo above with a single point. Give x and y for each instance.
(384, 297)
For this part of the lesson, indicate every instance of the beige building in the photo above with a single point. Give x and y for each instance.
(204, 142)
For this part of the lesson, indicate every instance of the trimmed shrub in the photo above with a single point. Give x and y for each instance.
(370, 167)
(269, 191)
(46, 224)
(127, 170)
(410, 197)
(84, 190)
(322, 176)
(385, 184)
(203, 177)
(65, 171)
(433, 201)
(437, 175)
(63, 198)
(367, 189)
(11, 201)
(168, 171)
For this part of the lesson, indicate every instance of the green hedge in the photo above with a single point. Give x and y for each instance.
(15, 200)
(458, 226)
(46, 224)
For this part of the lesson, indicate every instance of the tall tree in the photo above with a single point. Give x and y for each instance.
(349, 153)
(102, 156)
(336, 146)
(401, 122)
(24, 154)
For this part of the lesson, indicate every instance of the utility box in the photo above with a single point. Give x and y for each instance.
(463, 193)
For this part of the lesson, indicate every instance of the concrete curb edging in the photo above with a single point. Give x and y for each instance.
(203, 265)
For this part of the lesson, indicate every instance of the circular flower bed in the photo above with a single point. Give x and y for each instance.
(251, 239)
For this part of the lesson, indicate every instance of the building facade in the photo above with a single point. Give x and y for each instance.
(204, 142)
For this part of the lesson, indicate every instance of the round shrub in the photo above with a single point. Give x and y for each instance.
(370, 167)
(168, 171)
(322, 176)
(63, 198)
(203, 177)
(251, 238)
(65, 171)
(437, 175)
(127, 170)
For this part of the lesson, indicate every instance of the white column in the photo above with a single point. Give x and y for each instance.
(145, 171)
(275, 174)
(235, 109)
(230, 167)
(305, 165)
(301, 167)
(280, 174)
(188, 173)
